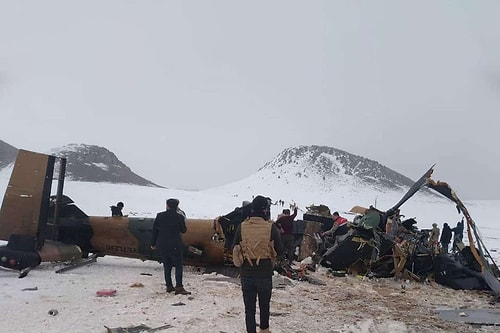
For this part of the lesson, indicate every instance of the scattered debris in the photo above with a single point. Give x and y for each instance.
(24, 272)
(106, 292)
(280, 281)
(53, 312)
(136, 285)
(178, 304)
(79, 263)
(30, 289)
(278, 314)
(148, 274)
(136, 329)
(224, 279)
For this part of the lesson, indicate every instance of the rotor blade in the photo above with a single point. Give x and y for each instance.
(413, 189)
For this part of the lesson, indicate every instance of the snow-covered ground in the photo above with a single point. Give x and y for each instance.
(345, 304)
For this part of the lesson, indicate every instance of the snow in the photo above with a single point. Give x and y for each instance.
(103, 166)
(344, 304)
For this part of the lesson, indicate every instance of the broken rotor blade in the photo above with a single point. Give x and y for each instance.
(413, 189)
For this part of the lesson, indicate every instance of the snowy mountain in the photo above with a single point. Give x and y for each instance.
(84, 163)
(334, 165)
(314, 174)
(325, 175)
(97, 164)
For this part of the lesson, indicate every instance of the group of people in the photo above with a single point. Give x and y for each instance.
(260, 243)
(256, 259)
(445, 237)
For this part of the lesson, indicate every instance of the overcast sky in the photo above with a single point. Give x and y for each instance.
(201, 93)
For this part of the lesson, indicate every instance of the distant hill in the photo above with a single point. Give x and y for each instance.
(8, 154)
(324, 175)
(321, 172)
(92, 163)
(333, 164)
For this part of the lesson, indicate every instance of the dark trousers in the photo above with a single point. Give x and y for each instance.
(289, 245)
(168, 263)
(444, 247)
(253, 287)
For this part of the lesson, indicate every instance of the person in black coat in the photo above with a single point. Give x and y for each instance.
(445, 238)
(117, 210)
(167, 229)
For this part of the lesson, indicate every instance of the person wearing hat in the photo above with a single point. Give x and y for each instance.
(117, 210)
(167, 229)
(434, 239)
(260, 243)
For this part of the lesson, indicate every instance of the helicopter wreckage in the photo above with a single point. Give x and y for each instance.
(366, 248)
(370, 249)
(41, 227)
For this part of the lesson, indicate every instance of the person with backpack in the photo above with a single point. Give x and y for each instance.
(257, 243)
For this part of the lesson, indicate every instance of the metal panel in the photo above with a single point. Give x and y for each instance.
(26, 200)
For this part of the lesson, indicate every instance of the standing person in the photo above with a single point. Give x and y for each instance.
(445, 238)
(285, 224)
(117, 210)
(260, 242)
(167, 229)
(434, 238)
(458, 234)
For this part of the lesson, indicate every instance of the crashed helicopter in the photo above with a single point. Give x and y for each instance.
(41, 227)
(370, 248)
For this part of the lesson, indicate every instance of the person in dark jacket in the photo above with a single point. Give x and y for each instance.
(445, 238)
(260, 241)
(117, 210)
(285, 225)
(167, 229)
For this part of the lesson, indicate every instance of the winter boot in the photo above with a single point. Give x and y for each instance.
(181, 291)
(265, 331)
(170, 289)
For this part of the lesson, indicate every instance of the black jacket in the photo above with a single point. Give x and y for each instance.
(116, 211)
(446, 235)
(167, 229)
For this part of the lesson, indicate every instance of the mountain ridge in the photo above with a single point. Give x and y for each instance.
(316, 168)
(89, 163)
(336, 163)
(97, 164)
